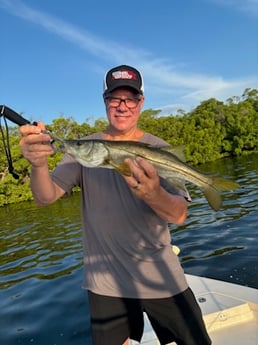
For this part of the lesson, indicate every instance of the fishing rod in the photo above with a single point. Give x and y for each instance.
(13, 116)
(10, 114)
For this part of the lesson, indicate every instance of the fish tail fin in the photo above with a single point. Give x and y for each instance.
(212, 191)
(223, 184)
(213, 197)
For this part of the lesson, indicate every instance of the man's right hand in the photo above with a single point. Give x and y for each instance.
(35, 145)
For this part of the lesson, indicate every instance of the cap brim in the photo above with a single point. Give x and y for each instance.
(122, 84)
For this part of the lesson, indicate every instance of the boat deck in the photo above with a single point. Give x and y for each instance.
(230, 312)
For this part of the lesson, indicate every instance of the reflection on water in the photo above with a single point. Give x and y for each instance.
(41, 257)
(41, 271)
(223, 244)
(39, 243)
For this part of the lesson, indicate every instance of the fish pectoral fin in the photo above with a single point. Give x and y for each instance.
(122, 168)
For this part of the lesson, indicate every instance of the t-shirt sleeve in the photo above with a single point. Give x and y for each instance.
(67, 174)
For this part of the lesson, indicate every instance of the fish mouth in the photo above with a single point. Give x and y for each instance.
(57, 144)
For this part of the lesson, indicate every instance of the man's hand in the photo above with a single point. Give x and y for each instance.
(35, 145)
(144, 182)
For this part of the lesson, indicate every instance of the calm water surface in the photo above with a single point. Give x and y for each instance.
(42, 301)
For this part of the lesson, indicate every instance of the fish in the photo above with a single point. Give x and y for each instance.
(112, 154)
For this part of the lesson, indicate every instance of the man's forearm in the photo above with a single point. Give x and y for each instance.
(172, 208)
(44, 190)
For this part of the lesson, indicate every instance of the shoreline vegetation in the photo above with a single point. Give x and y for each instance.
(211, 131)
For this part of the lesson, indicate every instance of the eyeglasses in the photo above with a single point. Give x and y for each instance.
(115, 102)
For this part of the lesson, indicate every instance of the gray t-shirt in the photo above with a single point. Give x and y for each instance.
(127, 246)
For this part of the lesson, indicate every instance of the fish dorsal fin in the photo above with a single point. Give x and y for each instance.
(178, 151)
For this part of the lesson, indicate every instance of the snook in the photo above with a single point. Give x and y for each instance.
(111, 154)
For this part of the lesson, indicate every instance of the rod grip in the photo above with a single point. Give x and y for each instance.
(13, 116)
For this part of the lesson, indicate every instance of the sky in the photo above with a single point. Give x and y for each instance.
(54, 53)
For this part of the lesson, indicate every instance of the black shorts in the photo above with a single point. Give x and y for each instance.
(176, 318)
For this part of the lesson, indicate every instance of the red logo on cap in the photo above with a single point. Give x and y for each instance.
(124, 75)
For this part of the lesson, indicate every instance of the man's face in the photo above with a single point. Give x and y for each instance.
(123, 109)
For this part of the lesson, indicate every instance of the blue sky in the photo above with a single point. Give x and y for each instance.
(54, 53)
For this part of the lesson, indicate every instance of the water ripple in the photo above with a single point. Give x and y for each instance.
(41, 257)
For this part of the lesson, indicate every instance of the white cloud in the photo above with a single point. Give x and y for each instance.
(80, 38)
(161, 77)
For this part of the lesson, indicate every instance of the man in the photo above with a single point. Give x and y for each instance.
(129, 265)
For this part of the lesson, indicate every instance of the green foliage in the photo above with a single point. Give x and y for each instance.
(68, 128)
(100, 125)
(211, 131)
(14, 191)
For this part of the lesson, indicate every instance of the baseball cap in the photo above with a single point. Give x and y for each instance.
(123, 76)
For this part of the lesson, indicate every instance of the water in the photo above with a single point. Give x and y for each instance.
(42, 301)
